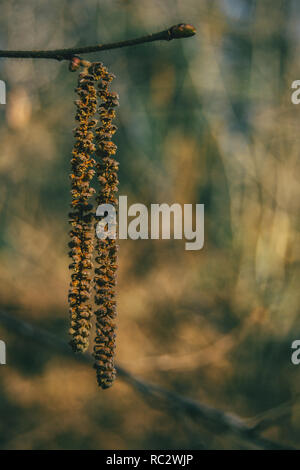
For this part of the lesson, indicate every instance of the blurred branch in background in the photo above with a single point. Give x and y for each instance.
(215, 420)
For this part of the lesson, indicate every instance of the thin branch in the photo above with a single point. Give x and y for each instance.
(216, 420)
(174, 32)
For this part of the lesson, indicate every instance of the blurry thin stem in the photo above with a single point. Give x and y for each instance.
(174, 32)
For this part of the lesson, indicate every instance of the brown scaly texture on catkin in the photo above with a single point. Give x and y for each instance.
(81, 217)
(106, 250)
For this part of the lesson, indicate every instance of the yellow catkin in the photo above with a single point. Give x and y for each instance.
(106, 250)
(81, 217)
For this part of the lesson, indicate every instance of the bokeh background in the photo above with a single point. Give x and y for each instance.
(207, 119)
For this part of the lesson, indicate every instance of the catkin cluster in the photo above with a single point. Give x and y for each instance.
(93, 150)
(106, 249)
(81, 217)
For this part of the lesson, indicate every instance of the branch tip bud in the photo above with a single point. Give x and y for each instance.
(182, 30)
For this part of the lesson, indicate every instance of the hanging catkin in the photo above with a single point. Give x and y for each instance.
(106, 249)
(93, 149)
(81, 217)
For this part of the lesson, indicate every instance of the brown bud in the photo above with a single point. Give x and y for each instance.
(181, 31)
(74, 64)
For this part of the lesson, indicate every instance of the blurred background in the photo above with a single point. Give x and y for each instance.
(209, 120)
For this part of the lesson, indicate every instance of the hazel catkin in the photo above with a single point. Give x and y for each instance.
(93, 152)
(106, 249)
(81, 217)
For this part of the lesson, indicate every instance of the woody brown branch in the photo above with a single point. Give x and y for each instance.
(178, 31)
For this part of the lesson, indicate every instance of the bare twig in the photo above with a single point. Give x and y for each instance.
(174, 32)
(216, 420)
